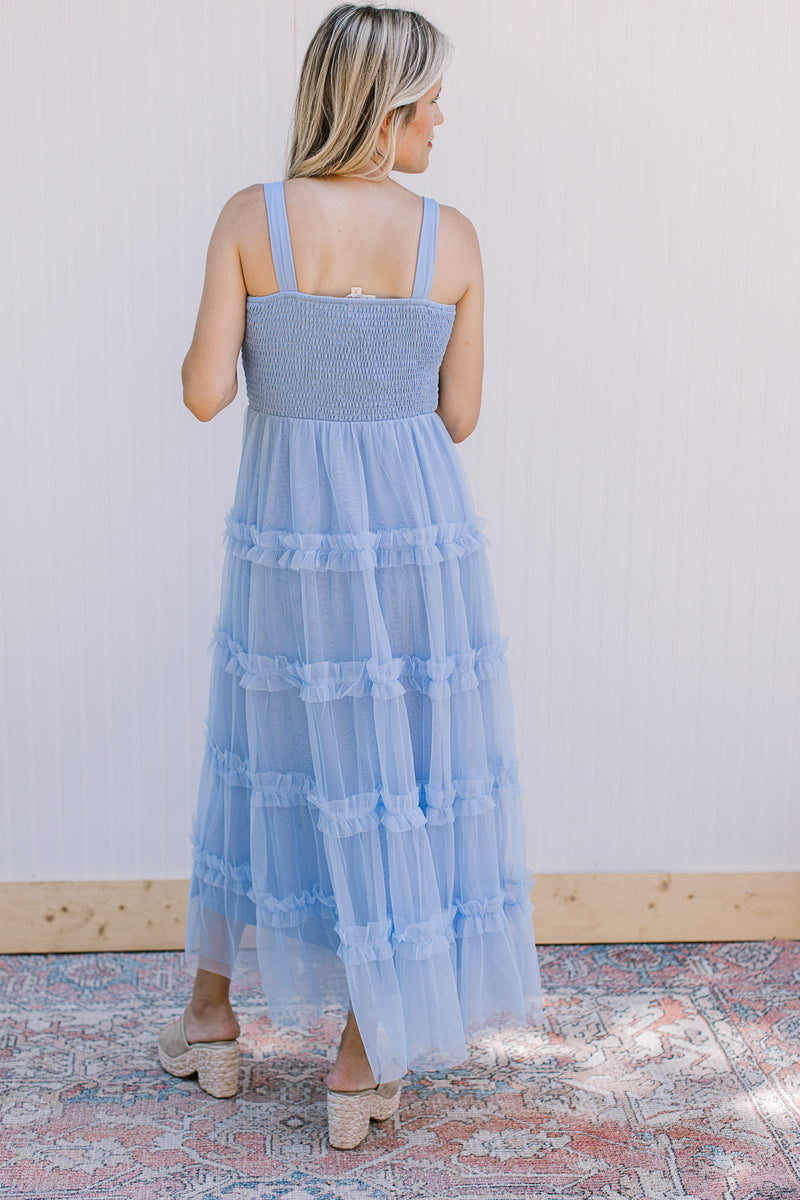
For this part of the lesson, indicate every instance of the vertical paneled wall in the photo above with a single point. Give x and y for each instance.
(630, 166)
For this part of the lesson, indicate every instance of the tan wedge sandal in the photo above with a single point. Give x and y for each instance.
(349, 1113)
(216, 1063)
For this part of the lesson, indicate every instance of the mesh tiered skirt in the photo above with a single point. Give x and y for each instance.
(359, 837)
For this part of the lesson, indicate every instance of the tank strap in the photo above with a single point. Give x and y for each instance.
(279, 236)
(426, 255)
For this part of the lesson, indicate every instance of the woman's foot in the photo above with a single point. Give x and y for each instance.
(216, 1063)
(204, 1038)
(349, 1115)
(351, 1072)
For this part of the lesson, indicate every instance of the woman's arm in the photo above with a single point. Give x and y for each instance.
(461, 372)
(209, 369)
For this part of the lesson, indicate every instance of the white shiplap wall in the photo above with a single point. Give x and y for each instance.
(631, 168)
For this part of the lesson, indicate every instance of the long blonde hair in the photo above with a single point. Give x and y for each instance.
(362, 62)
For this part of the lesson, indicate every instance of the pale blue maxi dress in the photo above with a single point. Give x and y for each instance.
(359, 835)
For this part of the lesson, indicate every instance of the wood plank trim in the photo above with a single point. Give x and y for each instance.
(712, 906)
(92, 916)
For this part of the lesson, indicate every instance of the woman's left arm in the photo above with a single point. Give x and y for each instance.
(209, 369)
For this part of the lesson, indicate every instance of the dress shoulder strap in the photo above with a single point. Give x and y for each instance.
(279, 238)
(426, 255)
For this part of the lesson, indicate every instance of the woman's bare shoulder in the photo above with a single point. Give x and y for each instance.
(244, 205)
(457, 227)
(241, 216)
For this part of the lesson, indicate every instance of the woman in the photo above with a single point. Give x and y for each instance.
(359, 831)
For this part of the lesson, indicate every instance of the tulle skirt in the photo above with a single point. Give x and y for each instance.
(359, 837)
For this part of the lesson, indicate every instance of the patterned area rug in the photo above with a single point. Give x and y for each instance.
(664, 1071)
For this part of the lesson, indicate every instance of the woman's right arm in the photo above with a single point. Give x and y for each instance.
(209, 368)
(461, 371)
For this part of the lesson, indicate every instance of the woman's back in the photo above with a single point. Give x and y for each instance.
(344, 357)
(347, 233)
(343, 233)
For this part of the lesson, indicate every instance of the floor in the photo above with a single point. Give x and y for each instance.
(663, 1071)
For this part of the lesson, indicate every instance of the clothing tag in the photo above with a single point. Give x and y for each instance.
(355, 292)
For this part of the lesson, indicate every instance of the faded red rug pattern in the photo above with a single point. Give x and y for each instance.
(664, 1071)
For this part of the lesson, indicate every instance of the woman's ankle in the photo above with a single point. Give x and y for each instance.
(351, 1072)
(350, 1077)
(209, 1016)
(218, 1025)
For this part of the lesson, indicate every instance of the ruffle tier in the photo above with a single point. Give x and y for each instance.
(359, 834)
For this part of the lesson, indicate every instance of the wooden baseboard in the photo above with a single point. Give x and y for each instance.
(710, 906)
(81, 916)
(108, 914)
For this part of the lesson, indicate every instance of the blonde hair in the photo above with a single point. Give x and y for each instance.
(362, 62)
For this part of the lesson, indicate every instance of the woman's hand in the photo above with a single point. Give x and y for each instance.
(209, 369)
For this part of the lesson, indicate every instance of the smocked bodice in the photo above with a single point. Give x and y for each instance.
(344, 358)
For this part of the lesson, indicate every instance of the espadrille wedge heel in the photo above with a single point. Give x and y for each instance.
(216, 1063)
(349, 1112)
